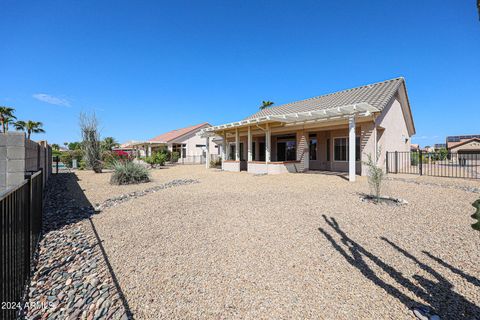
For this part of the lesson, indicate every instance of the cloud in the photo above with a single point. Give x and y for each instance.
(52, 99)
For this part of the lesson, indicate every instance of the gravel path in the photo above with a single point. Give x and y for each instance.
(71, 279)
(290, 246)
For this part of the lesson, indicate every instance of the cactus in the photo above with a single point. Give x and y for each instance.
(476, 215)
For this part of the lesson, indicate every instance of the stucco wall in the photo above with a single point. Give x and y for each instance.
(229, 165)
(393, 133)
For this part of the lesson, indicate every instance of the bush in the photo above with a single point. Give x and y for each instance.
(159, 158)
(175, 156)
(67, 157)
(414, 158)
(216, 163)
(129, 173)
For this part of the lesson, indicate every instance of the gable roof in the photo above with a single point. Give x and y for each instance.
(175, 134)
(377, 95)
(464, 142)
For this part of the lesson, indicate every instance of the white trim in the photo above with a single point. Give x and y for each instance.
(360, 110)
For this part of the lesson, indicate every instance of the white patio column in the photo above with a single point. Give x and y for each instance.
(351, 148)
(224, 148)
(268, 142)
(249, 144)
(237, 145)
(149, 150)
(207, 154)
(181, 152)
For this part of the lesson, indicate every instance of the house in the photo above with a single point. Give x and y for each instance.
(464, 144)
(190, 147)
(332, 132)
(414, 147)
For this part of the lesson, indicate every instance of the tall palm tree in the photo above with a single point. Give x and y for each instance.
(55, 147)
(29, 127)
(109, 143)
(266, 104)
(6, 113)
(9, 120)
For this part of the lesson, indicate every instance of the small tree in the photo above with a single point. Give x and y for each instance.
(476, 215)
(91, 144)
(55, 147)
(375, 175)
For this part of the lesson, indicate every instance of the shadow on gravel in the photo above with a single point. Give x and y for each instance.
(439, 294)
(65, 196)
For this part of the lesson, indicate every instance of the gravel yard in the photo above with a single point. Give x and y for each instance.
(235, 245)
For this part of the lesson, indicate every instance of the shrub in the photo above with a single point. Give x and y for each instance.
(216, 163)
(128, 172)
(375, 175)
(414, 158)
(175, 156)
(67, 157)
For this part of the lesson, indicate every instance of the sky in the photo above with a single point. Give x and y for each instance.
(147, 67)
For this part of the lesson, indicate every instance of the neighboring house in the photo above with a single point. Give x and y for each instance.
(190, 147)
(332, 132)
(438, 146)
(414, 147)
(464, 144)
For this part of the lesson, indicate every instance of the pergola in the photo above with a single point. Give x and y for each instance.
(350, 112)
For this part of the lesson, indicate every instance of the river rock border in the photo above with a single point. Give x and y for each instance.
(111, 202)
(71, 278)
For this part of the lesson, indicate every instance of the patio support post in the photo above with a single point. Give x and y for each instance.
(224, 148)
(237, 145)
(149, 151)
(268, 142)
(351, 148)
(207, 153)
(249, 144)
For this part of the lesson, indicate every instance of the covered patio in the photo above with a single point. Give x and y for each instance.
(332, 139)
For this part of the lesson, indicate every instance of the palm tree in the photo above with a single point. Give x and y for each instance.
(55, 146)
(5, 114)
(9, 120)
(29, 127)
(109, 143)
(266, 104)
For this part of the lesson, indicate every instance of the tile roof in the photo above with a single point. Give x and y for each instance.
(174, 134)
(376, 94)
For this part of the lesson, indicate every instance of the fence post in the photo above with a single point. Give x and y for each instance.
(386, 162)
(420, 160)
(396, 162)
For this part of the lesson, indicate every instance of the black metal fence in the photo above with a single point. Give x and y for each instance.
(21, 225)
(436, 164)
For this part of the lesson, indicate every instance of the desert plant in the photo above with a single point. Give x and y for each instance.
(216, 163)
(6, 114)
(91, 142)
(175, 156)
(29, 127)
(129, 172)
(375, 175)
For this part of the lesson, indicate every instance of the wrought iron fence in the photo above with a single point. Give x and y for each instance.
(21, 225)
(191, 160)
(436, 164)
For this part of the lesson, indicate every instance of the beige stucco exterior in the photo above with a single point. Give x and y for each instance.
(378, 132)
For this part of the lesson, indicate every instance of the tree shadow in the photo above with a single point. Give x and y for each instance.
(438, 294)
(65, 204)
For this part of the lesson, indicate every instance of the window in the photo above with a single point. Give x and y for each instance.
(241, 152)
(231, 156)
(340, 150)
(200, 145)
(286, 148)
(261, 151)
(328, 149)
(253, 151)
(313, 147)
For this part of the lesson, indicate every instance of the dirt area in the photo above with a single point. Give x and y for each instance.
(297, 246)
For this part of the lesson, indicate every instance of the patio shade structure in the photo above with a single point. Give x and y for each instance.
(350, 112)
